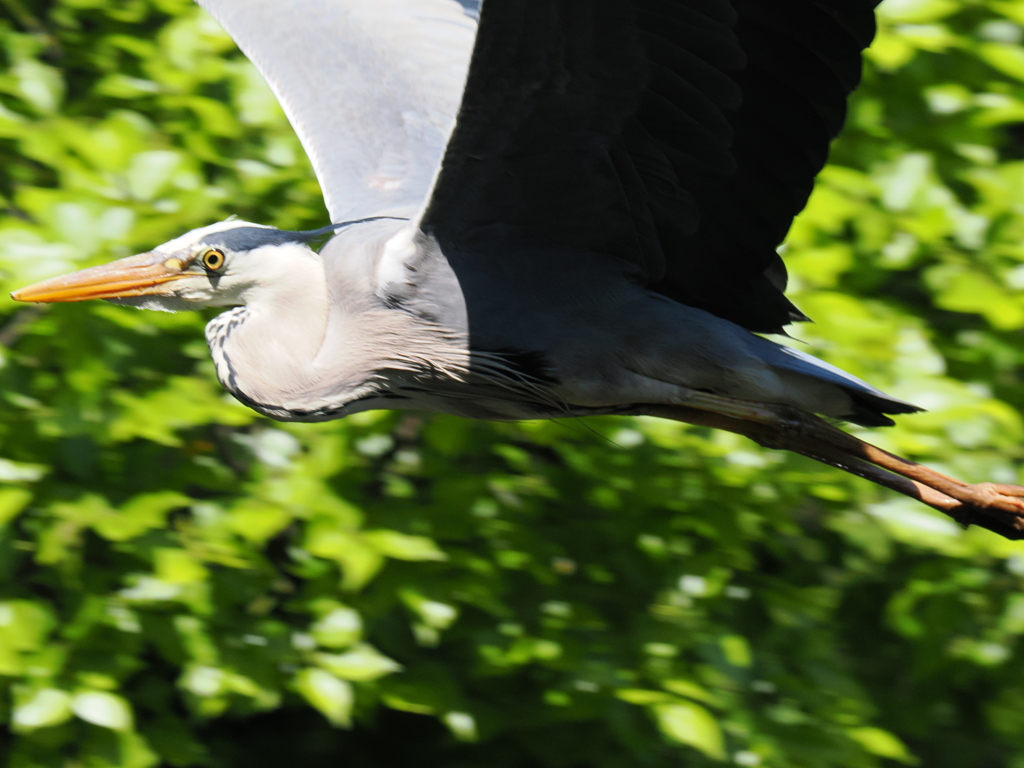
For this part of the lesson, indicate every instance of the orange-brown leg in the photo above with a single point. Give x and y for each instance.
(999, 508)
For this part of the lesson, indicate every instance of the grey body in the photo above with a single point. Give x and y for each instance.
(413, 326)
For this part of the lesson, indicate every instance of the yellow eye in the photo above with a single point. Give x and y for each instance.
(212, 259)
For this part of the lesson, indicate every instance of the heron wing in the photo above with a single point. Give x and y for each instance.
(372, 88)
(680, 135)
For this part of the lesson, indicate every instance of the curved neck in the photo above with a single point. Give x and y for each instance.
(264, 351)
(315, 339)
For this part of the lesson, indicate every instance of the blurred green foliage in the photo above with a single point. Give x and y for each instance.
(183, 583)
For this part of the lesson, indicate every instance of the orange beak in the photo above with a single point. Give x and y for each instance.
(141, 275)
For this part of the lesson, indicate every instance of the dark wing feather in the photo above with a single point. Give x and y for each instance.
(680, 135)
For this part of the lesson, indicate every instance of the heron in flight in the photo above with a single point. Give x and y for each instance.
(541, 208)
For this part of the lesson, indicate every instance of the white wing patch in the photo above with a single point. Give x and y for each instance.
(372, 88)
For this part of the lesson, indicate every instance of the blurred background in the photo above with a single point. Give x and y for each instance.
(185, 583)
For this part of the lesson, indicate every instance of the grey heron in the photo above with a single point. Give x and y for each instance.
(541, 208)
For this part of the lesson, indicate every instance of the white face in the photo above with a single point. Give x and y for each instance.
(221, 265)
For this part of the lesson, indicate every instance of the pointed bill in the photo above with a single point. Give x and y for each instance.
(141, 275)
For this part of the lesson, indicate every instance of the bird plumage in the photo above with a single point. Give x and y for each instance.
(543, 208)
(595, 191)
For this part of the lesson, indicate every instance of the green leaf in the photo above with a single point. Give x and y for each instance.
(40, 85)
(1008, 59)
(690, 690)
(333, 697)
(25, 624)
(882, 743)
(338, 629)
(121, 86)
(12, 501)
(258, 521)
(17, 472)
(359, 561)
(693, 725)
(364, 662)
(643, 696)
(144, 512)
(150, 171)
(41, 709)
(103, 709)
(431, 612)
(176, 566)
(736, 650)
(462, 725)
(403, 547)
(969, 291)
(916, 11)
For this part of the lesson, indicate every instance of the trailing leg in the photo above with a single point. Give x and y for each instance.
(999, 508)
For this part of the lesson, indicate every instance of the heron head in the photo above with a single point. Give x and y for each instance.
(214, 266)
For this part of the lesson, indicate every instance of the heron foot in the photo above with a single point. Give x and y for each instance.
(995, 506)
